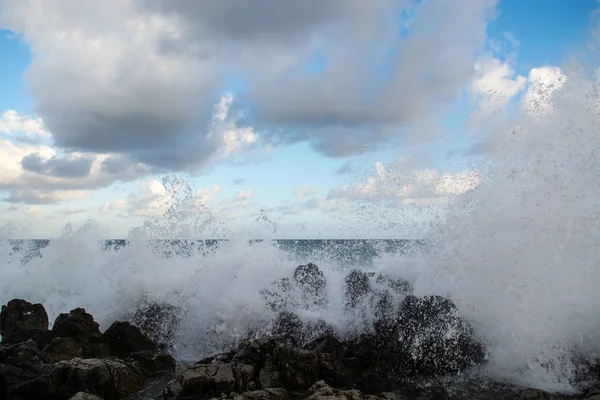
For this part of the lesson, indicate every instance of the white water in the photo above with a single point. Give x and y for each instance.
(519, 255)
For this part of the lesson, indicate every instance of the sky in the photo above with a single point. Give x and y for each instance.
(262, 118)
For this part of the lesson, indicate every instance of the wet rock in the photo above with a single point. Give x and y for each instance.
(63, 349)
(20, 363)
(3, 388)
(85, 396)
(397, 285)
(265, 394)
(21, 321)
(312, 283)
(430, 338)
(357, 286)
(433, 393)
(124, 339)
(109, 379)
(289, 327)
(157, 321)
(322, 391)
(152, 363)
(532, 394)
(201, 381)
(80, 326)
(311, 277)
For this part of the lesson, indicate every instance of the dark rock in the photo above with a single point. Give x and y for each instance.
(85, 396)
(398, 285)
(265, 394)
(21, 321)
(357, 287)
(289, 327)
(80, 326)
(312, 282)
(432, 339)
(201, 381)
(63, 349)
(151, 362)
(22, 362)
(109, 379)
(157, 321)
(322, 391)
(124, 339)
(3, 388)
(532, 394)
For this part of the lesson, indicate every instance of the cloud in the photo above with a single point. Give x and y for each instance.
(346, 168)
(60, 167)
(141, 78)
(495, 84)
(399, 184)
(543, 82)
(305, 191)
(12, 123)
(37, 174)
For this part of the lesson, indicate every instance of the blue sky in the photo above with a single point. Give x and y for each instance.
(310, 139)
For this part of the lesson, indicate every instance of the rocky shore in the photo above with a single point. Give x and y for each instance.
(418, 339)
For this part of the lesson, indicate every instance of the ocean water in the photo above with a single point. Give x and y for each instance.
(519, 254)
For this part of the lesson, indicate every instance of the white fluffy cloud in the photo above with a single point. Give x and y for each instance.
(496, 84)
(12, 123)
(398, 184)
(543, 82)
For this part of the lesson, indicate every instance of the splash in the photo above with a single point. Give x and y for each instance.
(520, 253)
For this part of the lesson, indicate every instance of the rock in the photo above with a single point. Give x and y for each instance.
(158, 322)
(85, 396)
(21, 321)
(20, 363)
(322, 391)
(532, 394)
(357, 287)
(289, 327)
(151, 362)
(3, 388)
(265, 394)
(312, 282)
(201, 381)
(63, 349)
(433, 393)
(397, 285)
(430, 338)
(124, 339)
(109, 379)
(80, 326)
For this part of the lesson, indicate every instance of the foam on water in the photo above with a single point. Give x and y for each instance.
(519, 255)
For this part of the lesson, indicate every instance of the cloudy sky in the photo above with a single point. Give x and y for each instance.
(268, 118)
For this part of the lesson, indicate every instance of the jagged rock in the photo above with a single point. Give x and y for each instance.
(265, 394)
(357, 286)
(322, 391)
(289, 327)
(21, 320)
(80, 326)
(85, 396)
(430, 338)
(20, 363)
(151, 362)
(312, 283)
(63, 349)
(3, 388)
(124, 339)
(157, 321)
(201, 381)
(109, 379)
(532, 394)
(398, 285)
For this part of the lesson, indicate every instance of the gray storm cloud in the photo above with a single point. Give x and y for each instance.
(141, 78)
